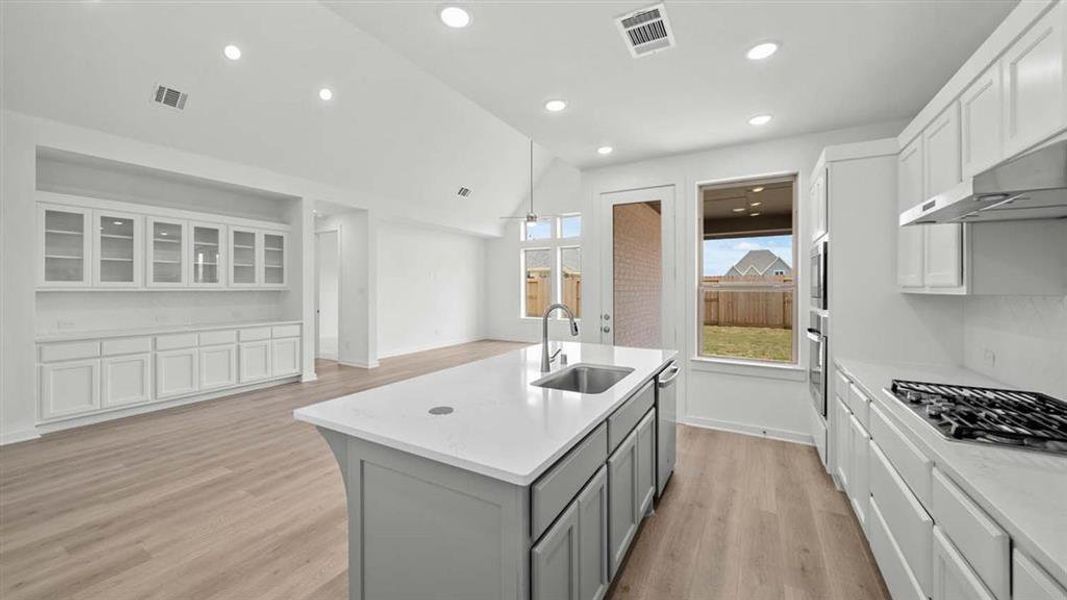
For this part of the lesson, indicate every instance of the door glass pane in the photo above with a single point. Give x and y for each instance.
(64, 244)
(637, 253)
(166, 252)
(273, 259)
(570, 226)
(206, 254)
(570, 260)
(537, 265)
(244, 257)
(541, 230)
(116, 249)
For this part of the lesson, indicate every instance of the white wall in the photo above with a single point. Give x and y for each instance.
(356, 331)
(766, 401)
(431, 288)
(327, 267)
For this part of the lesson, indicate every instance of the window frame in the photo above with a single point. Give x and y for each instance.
(790, 370)
(555, 244)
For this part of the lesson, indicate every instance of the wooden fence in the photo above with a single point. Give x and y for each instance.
(539, 296)
(748, 302)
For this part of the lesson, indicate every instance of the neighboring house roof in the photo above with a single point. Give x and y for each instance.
(759, 262)
(535, 261)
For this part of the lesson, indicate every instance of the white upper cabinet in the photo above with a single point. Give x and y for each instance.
(207, 247)
(910, 185)
(167, 252)
(982, 122)
(245, 250)
(65, 246)
(117, 249)
(818, 206)
(1035, 101)
(941, 152)
(943, 256)
(274, 256)
(910, 240)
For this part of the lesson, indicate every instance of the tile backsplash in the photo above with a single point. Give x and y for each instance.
(1020, 340)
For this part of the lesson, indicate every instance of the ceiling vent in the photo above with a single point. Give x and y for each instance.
(646, 31)
(170, 97)
(463, 192)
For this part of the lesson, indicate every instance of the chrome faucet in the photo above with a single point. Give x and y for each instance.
(546, 359)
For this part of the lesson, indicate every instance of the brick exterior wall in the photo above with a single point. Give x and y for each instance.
(638, 266)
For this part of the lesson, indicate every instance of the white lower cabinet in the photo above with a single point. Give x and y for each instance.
(623, 515)
(953, 578)
(285, 356)
(859, 488)
(254, 359)
(126, 380)
(218, 366)
(842, 444)
(897, 574)
(70, 388)
(592, 502)
(1030, 582)
(177, 373)
(903, 515)
(646, 463)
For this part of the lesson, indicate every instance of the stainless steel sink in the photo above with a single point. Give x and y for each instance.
(584, 378)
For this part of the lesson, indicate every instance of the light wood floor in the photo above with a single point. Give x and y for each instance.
(233, 499)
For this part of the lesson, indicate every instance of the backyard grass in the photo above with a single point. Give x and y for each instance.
(762, 343)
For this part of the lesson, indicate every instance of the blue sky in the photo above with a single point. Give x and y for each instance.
(720, 255)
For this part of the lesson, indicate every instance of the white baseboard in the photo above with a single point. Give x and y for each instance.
(14, 437)
(795, 437)
(46, 428)
(361, 365)
(308, 377)
(433, 346)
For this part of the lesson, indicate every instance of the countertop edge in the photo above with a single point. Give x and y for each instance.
(1018, 535)
(115, 333)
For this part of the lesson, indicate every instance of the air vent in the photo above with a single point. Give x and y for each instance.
(646, 31)
(170, 97)
(463, 192)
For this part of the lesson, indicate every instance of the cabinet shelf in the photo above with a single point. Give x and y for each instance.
(244, 266)
(124, 260)
(112, 236)
(166, 262)
(166, 241)
(62, 257)
(64, 232)
(244, 247)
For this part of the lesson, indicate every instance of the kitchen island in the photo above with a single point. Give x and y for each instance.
(473, 482)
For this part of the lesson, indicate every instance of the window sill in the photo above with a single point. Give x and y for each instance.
(748, 368)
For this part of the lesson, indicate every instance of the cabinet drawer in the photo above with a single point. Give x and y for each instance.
(897, 574)
(841, 383)
(557, 487)
(984, 544)
(912, 465)
(903, 515)
(1030, 582)
(255, 333)
(623, 420)
(69, 351)
(175, 341)
(213, 338)
(859, 403)
(126, 346)
(285, 331)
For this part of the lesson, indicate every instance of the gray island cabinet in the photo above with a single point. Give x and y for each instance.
(519, 492)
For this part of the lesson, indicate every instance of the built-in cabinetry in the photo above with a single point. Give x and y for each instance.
(819, 205)
(87, 243)
(930, 539)
(80, 378)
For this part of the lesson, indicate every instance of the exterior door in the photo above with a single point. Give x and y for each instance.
(637, 261)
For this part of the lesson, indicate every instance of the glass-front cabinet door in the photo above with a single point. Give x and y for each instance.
(168, 249)
(65, 246)
(244, 248)
(274, 259)
(117, 249)
(207, 254)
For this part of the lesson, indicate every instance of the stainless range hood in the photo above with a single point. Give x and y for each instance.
(1031, 186)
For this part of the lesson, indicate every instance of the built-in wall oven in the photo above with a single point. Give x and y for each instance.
(817, 358)
(820, 255)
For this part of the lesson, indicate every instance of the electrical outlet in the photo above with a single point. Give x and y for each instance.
(989, 358)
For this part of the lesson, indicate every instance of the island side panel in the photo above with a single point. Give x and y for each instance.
(418, 528)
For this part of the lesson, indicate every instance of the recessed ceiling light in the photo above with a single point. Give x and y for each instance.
(757, 189)
(326, 94)
(760, 120)
(741, 209)
(754, 203)
(605, 150)
(455, 17)
(232, 52)
(555, 105)
(755, 214)
(761, 51)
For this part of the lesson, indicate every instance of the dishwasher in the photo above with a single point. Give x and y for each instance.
(666, 419)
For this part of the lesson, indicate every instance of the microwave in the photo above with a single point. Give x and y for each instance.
(819, 267)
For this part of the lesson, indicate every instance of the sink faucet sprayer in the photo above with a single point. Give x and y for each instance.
(546, 359)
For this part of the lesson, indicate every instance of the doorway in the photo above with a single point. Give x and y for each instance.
(637, 257)
(327, 293)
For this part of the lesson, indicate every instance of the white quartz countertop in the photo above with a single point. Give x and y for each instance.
(1024, 491)
(501, 426)
(162, 329)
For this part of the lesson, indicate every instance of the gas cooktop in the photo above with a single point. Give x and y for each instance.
(1028, 420)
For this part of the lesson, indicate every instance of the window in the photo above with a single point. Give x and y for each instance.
(551, 265)
(747, 289)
